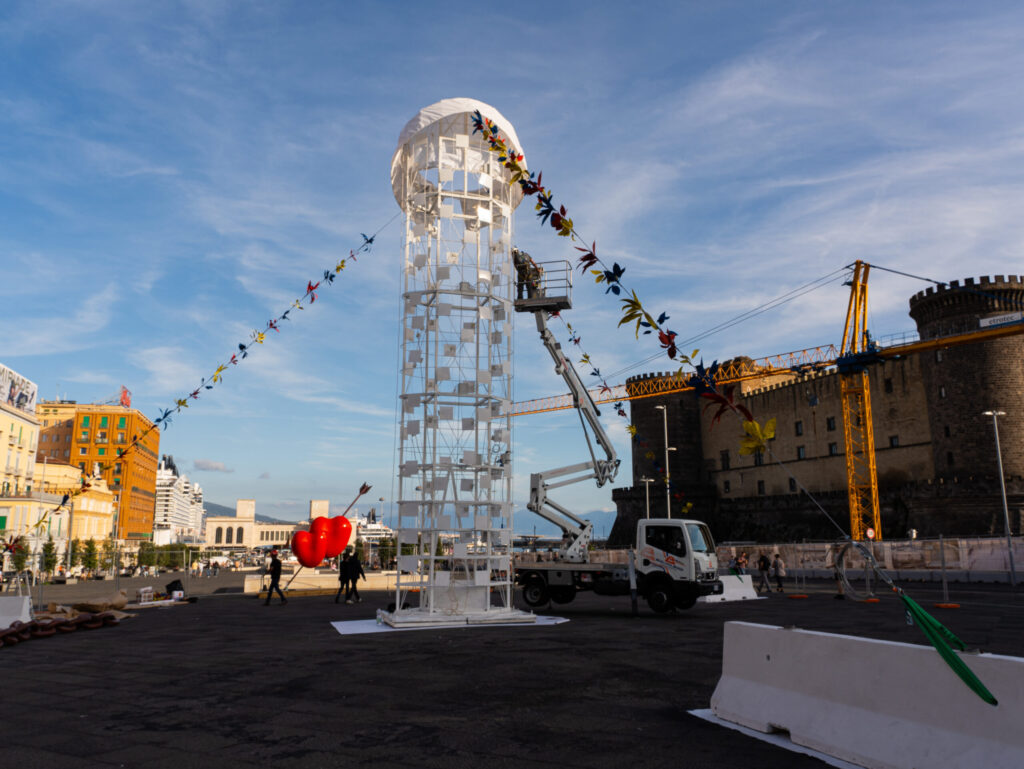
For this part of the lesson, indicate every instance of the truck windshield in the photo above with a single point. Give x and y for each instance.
(700, 538)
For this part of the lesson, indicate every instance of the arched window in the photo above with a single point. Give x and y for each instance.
(238, 536)
(219, 536)
(231, 533)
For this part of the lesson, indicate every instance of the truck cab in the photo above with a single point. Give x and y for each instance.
(676, 562)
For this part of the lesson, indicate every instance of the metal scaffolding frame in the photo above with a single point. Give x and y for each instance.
(454, 453)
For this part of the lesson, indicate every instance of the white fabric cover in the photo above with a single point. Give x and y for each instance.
(446, 107)
(427, 116)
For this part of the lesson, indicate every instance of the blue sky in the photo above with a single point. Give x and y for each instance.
(171, 175)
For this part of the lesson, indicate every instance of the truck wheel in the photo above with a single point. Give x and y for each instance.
(563, 594)
(659, 597)
(535, 591)
(686, 602)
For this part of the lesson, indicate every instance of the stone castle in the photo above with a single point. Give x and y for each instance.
(935, 450)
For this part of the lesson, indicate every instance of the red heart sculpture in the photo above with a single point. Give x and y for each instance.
(336, 532)
(310, 549)
(341, 531)
(321, 527)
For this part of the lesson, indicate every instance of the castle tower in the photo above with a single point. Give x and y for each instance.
(685, 460)
(962, 382)
(454, 450)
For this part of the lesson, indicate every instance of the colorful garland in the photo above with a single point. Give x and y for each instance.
(633, 310)
(256, 336)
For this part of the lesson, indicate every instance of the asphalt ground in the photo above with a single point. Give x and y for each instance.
(229, 682)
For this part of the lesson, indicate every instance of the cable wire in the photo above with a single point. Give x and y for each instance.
(771, 304)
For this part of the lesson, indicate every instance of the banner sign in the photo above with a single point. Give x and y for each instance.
(17, 391)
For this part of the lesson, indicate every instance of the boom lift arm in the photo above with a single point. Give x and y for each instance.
(542, 298)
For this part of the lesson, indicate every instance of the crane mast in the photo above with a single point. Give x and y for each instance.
(855, 394)
(543, 292)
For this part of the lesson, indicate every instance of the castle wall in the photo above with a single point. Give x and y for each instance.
(934, 450)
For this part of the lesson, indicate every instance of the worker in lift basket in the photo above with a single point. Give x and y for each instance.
(528, 274)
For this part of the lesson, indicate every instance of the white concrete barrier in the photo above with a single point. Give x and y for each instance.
(738, 587)
(879, 704)
(14, 608)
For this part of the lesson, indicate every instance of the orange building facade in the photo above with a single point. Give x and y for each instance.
(91, 437)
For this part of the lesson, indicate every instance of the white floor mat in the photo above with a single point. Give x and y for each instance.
(364, 626)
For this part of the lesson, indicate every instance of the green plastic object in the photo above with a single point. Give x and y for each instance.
(943, 640)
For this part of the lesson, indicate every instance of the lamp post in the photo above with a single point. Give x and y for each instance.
(647, 494)
(1002, 485)
(668, 493)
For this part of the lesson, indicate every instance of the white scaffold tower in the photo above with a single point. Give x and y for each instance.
(454, 468)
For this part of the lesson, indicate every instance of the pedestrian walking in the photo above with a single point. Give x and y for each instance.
(779, 570)
(763, 567)
(342, 579)
(355, 571)
(837, 575)
(275, 579)
(742, 562)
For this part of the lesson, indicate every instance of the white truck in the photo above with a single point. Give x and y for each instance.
(674, 562)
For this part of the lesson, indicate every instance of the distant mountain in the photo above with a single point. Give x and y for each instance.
(528, 523)
(212, 508)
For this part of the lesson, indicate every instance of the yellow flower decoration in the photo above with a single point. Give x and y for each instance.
(756, 438)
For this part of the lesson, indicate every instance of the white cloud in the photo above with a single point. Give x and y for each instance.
(209, 465)
(169, 369)
(68, 332)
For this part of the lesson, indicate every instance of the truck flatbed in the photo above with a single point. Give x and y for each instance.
(567, 566)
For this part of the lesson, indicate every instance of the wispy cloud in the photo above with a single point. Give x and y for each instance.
(209, 465)
(169, 369)
(77, 330)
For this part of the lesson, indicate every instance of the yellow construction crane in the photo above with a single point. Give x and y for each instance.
(854, 355)
(855, 396)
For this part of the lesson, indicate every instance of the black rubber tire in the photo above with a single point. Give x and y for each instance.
(685, 602)
(535, 591)
(563, 594)
(659, 597)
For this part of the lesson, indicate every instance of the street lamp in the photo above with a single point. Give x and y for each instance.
(1002, 485)
(668, 493)
(647, 494)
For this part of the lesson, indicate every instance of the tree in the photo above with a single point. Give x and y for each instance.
(107, 558)
(49, 556)
(386, 549)
(360, 550)
(147, 554)
(90, 556)
(76, 553)
(171, 556)
(19, 558)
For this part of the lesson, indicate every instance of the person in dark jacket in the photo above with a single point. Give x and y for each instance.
(342, 578)
(355, 571)
(275, 579)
